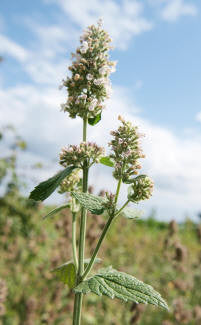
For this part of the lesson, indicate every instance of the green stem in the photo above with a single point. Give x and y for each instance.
(118, 189)
(92, 260)
(83, 226)
(103, 234)
(123, 206)
(79, 296)
(74, 240)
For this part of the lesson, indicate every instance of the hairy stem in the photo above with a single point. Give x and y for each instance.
(74, 241)
(79, 296)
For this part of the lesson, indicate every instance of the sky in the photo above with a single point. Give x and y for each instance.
(157, 86)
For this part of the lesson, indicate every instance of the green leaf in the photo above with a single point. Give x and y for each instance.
(94, 120)
(113, 283)
(132, 213)
(93, 203)
(51, 213)
(46, 188)
(107, 161)
(66, 273)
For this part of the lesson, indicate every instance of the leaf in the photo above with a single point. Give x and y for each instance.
(46, 188)
(113, 283)
(51, 213)
(93, 203)
(94, 120)
(130, 213)
(66, 273)
(107, 161)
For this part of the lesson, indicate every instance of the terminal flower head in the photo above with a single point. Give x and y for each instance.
(90, 71)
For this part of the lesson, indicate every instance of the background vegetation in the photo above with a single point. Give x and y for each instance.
(166, 255)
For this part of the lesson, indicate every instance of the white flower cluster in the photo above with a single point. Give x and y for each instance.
(70, 183)
(86, 152)
(89, 84)
(141, 189)
(126, 151)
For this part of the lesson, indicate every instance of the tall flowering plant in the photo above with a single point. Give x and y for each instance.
(87, 88)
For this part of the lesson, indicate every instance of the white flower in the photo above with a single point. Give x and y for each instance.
(108, 89)
(113, 69)
(99, 81)
(83, 96)
(84, 47)
(93, 104)
(103, 70)
(113, 66)
(89, 76)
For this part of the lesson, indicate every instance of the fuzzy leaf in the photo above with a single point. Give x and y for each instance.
(46, 188)
(107, 161)
(94, 120)
(51, 213)
(132, 213)
(93, 203)
(66, 273)
(113, 283)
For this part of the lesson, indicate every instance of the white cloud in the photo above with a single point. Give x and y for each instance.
(9, 47)
(122, 19)
(174, 9)
(198, 117)
(42, 71)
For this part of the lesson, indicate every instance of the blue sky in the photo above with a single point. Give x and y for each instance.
(157, 84)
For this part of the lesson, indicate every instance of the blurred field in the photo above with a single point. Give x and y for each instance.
(167, 256)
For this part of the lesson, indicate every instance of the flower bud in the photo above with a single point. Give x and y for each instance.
(76, 155)
(76, 76)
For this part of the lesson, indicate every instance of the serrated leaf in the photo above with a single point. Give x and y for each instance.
(93, 203)
(115, 284)
(107, 161)
(94, 120)
(130, 213)
(51, 213)
(46, 188)
(66, 273)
